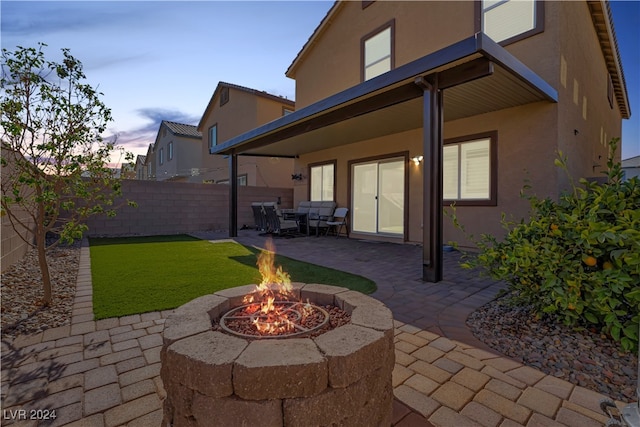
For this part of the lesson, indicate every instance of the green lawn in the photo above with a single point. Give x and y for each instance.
(141, 274)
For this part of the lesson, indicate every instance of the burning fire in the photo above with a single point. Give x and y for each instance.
(275, 285)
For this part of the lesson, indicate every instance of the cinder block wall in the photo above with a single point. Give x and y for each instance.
(13, 246)
(177, 207)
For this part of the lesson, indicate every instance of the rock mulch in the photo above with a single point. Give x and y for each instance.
(21, 289)
(582, 357)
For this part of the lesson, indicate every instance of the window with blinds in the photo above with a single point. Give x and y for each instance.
(377, 52)
(467, 174)
(322, 182)
(503, 20)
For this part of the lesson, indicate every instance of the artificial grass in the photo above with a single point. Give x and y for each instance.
(135, 275)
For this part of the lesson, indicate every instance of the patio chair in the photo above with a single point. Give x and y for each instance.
(259, 216)
(338, 222)
(319, 214)
(276, 224)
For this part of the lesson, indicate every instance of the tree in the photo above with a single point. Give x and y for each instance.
(55, 162)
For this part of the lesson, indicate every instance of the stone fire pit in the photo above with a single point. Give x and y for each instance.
(342, 377)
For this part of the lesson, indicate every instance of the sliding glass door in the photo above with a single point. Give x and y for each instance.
(378, 190)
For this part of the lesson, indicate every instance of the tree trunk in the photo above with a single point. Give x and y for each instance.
(44, 267)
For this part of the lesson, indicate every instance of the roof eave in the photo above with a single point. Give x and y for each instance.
(601, 16)
(474, 45)
(326, 21)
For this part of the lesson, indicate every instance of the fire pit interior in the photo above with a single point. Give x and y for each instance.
(284, 365)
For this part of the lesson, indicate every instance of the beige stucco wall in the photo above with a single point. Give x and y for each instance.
(333, 63)
(582, 91)
(244, 111)
(525, 152)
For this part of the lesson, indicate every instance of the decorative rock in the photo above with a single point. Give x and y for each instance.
(582, 357)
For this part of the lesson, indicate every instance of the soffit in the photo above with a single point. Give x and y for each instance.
(499, 91)
(315, 127)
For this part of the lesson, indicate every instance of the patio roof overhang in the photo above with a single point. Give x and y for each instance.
(471, 77)
(479, 77)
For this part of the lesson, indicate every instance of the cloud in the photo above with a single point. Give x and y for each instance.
(43, 18)
(138, 139)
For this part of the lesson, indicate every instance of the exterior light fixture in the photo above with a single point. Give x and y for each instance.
(417, 160)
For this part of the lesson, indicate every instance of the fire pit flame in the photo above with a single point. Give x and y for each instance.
(269, 309)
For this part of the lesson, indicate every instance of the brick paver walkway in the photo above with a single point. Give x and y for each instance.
(106, 372)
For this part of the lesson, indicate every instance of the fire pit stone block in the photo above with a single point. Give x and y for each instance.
(366, 402)
(353, 351)
(213, 305)
(321, 294)
(179, 326)
(349, 300)
(373, 316)
(270, 369)
(204, 362)
(228, 411)
(236, 296)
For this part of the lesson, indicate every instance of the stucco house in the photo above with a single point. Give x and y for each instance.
(631, 167)
(140, 167)
(231, 111)
(412, 106)
(177, 152)
(150, 164)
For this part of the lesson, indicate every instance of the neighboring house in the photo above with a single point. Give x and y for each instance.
(406, 107)
(150, 164)
(127, 171)
(631, 167)
(232, 111)
(178, 154)
(141, 167)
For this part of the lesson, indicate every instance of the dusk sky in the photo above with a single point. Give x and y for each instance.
(161, 60)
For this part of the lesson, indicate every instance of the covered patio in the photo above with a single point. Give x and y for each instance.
(468, 78)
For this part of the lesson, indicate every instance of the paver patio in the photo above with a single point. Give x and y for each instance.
(106, 372)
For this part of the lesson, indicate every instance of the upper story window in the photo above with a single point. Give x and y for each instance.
(322, 179)
(224, 96)
(378, 51)
(469, 170)
(170, 151)
(507, 21)
(161, 156)
(213, 136)
(286, 111)
(610, 92)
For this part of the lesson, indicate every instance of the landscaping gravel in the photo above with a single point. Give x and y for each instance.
(21, 290)
(582, 357)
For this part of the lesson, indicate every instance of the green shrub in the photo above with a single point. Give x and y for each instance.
(577, 259)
